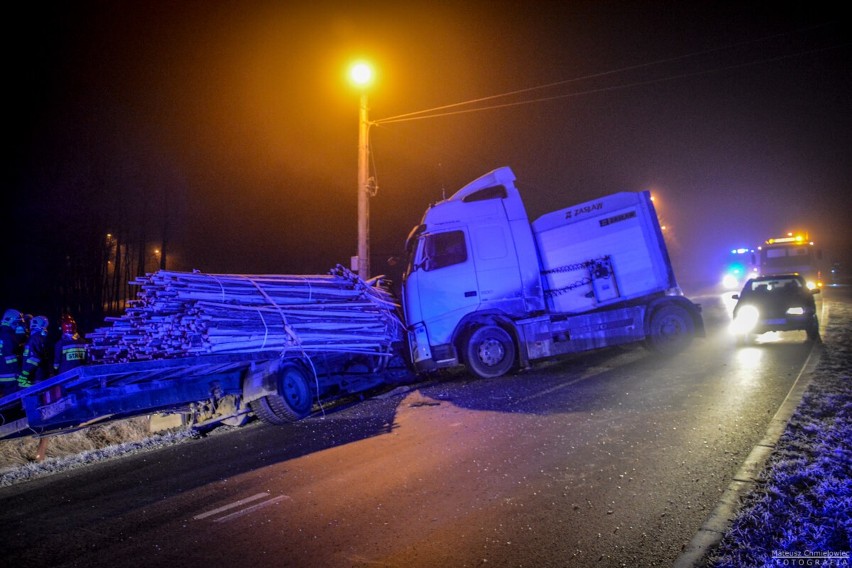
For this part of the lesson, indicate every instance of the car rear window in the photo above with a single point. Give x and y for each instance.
(775, 285)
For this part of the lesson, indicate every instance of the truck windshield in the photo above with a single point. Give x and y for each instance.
(786, 257)
(439, 250)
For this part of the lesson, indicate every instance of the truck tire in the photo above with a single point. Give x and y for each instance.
(489, 352)
(293, 401)
(670, 330)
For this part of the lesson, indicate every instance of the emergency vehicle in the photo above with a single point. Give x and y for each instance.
(793, 253)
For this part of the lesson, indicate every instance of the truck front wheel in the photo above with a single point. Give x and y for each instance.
(292, 402)
(670, 330)
(490, 352)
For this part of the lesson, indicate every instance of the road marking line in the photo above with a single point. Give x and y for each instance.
(251, 509)
(553, 389)
(231, 506)
(587, 374)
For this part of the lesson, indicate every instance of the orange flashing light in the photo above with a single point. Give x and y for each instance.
(790, 238)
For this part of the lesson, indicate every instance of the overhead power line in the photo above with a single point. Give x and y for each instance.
(435, 112)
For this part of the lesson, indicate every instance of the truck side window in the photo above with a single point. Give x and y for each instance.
(444, 249)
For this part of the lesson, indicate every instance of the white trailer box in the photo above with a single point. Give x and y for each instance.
(603, 251)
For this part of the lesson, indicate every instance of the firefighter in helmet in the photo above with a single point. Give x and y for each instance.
(37, 362)
(70, 352)
(22, 331)
(10, 358)
(71, 349)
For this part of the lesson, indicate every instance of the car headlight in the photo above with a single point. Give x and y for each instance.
(730, 281)
(795, 311)
(745, 320)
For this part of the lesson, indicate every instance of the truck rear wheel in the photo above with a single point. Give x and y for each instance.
(293, 401)
(490, 352)
(670, 330)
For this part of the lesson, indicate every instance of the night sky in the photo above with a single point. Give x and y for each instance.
(231, 127)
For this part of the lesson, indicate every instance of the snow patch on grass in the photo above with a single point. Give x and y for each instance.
(81, 448)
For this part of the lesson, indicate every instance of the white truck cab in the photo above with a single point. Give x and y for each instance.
(485, 288)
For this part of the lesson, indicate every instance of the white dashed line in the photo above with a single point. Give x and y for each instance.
(240, 503)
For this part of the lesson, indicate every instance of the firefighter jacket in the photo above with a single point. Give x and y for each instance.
(37, 361)
(10, 361)
(70, 352)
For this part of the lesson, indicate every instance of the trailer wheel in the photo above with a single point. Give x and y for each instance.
(292, 402)
(489, 352)
(671, 330)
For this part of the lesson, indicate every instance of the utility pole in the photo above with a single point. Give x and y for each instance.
(363, 191)
(362, 75)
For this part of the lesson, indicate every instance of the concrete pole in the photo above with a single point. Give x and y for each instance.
(363, 192)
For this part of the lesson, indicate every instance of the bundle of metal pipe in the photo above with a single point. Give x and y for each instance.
(181, 314)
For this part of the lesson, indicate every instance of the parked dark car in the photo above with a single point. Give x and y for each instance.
(781, 302)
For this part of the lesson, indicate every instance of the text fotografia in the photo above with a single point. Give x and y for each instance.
(808, 558)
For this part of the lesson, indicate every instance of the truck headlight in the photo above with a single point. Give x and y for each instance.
(795, 311)
(746, 319)
(419, 343)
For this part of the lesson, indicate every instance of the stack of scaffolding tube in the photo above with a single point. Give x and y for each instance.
(180, 314)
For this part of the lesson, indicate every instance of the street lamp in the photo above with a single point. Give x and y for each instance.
(362, 75)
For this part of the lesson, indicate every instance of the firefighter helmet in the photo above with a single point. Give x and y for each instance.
(13, 318)
(38, 325)
(69, 326)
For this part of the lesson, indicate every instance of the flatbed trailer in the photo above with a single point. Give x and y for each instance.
(209, 389)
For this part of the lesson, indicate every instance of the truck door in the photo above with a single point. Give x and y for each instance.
(441, 285)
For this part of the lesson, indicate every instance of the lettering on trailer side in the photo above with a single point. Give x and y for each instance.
(617, 218)
(577, 211)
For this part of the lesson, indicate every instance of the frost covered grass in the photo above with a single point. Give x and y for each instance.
(803, 500)
(81, 448)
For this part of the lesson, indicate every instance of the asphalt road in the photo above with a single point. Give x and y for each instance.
(613, 458)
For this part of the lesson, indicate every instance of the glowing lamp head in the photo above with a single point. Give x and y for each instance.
(361, 74)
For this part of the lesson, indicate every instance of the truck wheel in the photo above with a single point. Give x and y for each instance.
(292, 402)
(671, 330)
(490, 352)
